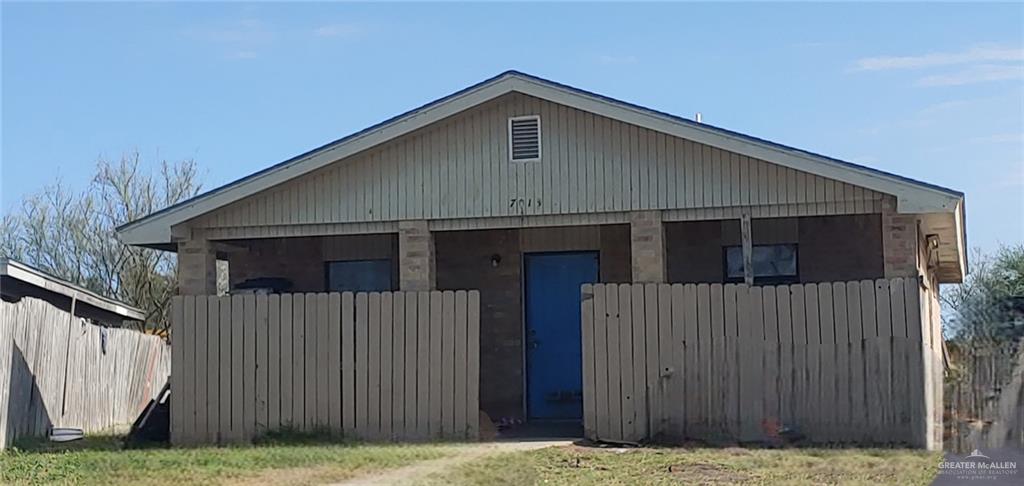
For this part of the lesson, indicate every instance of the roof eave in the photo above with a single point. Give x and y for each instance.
(912, 196)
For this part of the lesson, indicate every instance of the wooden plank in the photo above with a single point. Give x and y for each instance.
(348, 364)
(248, 366)
(213, 368)
(311, 371)
(918, 408)
(334, 364)
(844, 423)
(411, 367)
(826, 314)
(783, 306)
(813, 391)
(298, 366)
(858, 409)
(666, 369)
(398, 370)
(262, 366)
(756, 320)
(473, 362)
(281, 366)
(652, 359)
(913, 305)
(718, 407)
(607, 376)
(237, 369)
(362, 368)
(897, 300)
(799, 309)
(868, 316)
(813, 315)
(677, 409)
(771, 314)
(461, 363)
(448, 364)
(883, 373)
(640, 402)
(177, 427)
(322, 363)
(628, 422)
(691, 363)
(386, 363)
(883, 311)
(201, 332)
(840, 312)
(373, 391)
(189, 432)
(274, 362)
(589, 358)
(423, 373)
(729, 374)
(436, 367)
(706, 339)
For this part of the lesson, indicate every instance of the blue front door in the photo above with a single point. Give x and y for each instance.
(553, 344)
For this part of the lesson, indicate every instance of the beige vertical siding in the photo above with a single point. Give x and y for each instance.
(458, 169)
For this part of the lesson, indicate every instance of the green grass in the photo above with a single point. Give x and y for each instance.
(593, 466)
(282, 459)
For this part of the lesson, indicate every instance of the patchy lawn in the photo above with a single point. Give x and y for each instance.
(583, 465)
(100, 460)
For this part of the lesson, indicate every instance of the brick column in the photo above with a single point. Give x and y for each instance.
(415, 256)
(647, 246)
(197, 267)
(899, 241)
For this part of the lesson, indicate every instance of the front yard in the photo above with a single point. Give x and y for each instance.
(101, 461)
(595, 466)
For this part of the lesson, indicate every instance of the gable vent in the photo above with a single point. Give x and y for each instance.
(524, 138)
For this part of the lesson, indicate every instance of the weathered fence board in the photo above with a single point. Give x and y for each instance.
(373, 366)
(840, 362)
(57, 370)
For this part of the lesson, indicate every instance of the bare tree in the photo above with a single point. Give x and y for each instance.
(72, 235)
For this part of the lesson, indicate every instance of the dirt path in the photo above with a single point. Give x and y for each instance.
(463, 454)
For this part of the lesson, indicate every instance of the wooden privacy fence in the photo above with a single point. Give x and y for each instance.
(839, 362)
(59, 370)
(373, 366)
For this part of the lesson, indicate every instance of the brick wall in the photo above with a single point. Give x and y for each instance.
(829, 248)
(463, 261)
(303, 260)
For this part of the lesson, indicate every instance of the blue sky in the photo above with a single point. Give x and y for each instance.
(934, 92)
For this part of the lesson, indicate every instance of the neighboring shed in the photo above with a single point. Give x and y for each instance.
(18, 280)
(522, 190)
(64, 363)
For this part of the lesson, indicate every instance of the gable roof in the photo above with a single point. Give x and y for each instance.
(912, 196)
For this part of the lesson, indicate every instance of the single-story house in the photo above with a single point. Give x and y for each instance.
(18, 280)
(567, 215)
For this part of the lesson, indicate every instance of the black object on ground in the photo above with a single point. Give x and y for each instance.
(153, 426)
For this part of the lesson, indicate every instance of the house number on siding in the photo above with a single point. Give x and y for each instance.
(523, 204)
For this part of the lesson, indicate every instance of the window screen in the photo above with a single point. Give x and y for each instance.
(772, 263)
(359, 276)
